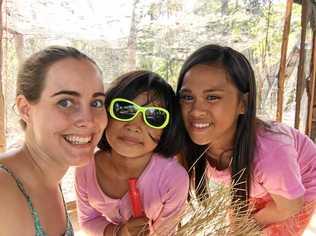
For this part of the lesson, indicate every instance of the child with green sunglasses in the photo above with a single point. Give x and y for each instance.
(143, 135)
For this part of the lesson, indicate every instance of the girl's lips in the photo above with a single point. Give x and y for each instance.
(130, 140)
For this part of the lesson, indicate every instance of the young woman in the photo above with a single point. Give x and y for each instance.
(60, 98)
(140, 141)
(272, 165)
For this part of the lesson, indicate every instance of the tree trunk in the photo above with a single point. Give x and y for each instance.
(301, 71)
(224, 7)
(2, 109)
(131, 44)
(281, 79)
(19, 47)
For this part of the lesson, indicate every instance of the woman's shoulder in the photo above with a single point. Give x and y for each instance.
(12, 202)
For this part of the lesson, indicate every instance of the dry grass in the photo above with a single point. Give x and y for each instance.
(214, 215)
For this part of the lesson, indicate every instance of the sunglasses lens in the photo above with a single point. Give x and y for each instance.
(124, 110)
(155, 117)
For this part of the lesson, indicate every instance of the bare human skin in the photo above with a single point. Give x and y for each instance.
(62, 130)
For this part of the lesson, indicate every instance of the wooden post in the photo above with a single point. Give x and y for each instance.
(311, 89)
(2, 107)
(286, 31)
(301, 65)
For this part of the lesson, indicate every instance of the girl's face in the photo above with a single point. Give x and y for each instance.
(210, 105)
(134, 138)
(67, 122)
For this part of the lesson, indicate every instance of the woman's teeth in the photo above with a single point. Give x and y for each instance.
(77, 140)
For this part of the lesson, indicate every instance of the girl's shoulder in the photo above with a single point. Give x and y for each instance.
(167, 168)
(274, 134)
(167, 164)
(87, 169)
(168, 172)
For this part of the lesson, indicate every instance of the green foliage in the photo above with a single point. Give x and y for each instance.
(167, 31)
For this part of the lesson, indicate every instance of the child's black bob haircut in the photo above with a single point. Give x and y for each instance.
(129, 86)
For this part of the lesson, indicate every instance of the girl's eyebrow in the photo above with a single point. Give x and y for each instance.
(75, 93)
(185, 90)
(204, 91)
(213, 90)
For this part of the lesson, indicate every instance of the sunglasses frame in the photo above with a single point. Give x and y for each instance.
(139, 109)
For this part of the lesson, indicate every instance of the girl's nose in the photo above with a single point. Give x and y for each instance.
(136, 123)
(198, 109)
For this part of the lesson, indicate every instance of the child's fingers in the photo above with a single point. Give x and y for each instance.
(139, 221)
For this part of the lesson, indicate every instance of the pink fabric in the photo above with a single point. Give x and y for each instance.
(293, 226)
(163, 188)
(284, 164)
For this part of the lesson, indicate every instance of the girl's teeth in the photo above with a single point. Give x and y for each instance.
(200, 125)
(77, 140)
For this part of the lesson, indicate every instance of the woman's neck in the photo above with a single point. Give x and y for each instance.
(44, 170)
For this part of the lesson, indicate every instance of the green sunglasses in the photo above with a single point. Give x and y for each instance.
(125, 110)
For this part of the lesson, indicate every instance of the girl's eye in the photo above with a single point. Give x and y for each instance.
(98, 103)
(212, 97)
(186, 97)
(65, 103)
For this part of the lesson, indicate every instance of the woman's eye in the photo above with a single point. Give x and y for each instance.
(65, 103)
(98, 104)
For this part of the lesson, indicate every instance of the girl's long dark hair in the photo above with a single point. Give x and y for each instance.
(241, 74)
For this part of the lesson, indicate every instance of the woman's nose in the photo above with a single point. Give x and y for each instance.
(85, 117)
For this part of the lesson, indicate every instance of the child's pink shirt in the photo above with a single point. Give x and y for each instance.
(284, 164)
(163, 188)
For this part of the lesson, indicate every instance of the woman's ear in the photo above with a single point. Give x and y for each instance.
(244, 103)
(23, 107)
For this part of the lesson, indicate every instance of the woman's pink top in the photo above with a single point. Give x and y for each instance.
(284, 164)
(163, 188)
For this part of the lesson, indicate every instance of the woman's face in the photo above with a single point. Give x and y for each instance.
(134, 138)
(210, 105)
(69, 118)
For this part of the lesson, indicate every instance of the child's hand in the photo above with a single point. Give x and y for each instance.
(134, 227)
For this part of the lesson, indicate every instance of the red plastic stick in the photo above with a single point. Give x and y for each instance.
(135, 198)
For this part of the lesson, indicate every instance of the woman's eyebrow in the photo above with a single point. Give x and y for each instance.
(66, 92)
(76, 94)
(99, 94)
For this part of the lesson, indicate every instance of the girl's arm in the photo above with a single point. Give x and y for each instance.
(174, 187)
(278, 209)
(278, 172)
(90, 220)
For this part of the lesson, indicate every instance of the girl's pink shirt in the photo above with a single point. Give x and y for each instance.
(163, 188)
(284, 164)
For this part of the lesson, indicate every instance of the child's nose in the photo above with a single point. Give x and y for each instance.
(198, 109)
